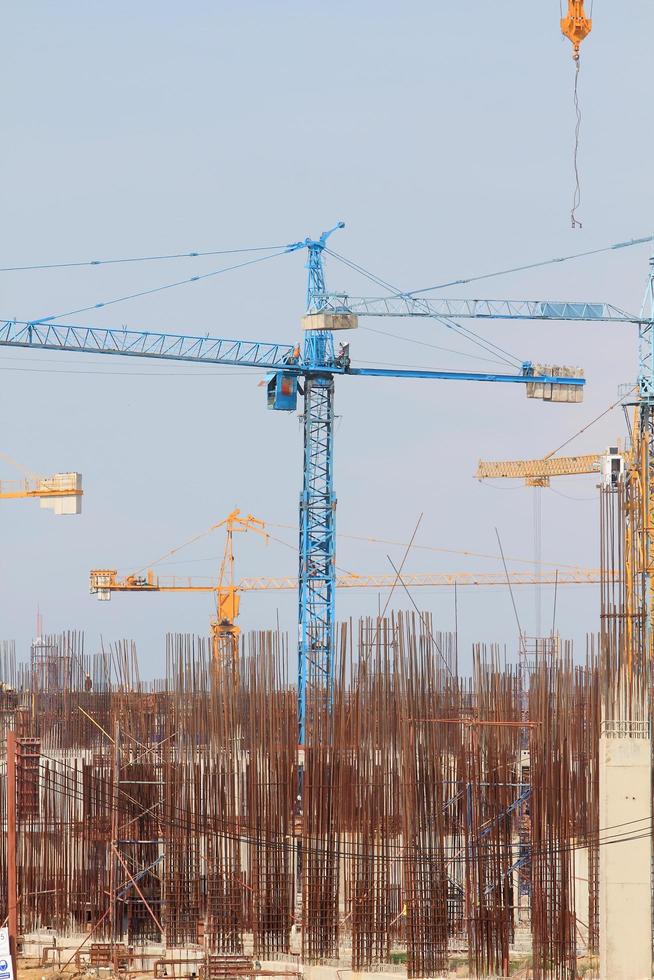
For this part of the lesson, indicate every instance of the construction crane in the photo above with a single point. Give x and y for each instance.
(539, 472)
(639, 489)
(60, 493)
(638, 477)
(318, 364)
(224, 631)
(103, 582)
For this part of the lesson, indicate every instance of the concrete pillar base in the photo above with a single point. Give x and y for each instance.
(625, 895)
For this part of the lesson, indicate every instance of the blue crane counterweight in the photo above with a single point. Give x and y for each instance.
(317, 365)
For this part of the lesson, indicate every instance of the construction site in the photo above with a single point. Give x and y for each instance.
(353, 771)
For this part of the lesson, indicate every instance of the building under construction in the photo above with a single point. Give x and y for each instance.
(430, 822)
(172, 813)
(384, 812)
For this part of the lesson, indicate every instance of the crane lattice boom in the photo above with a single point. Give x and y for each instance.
(538, 469)
(103, 582)
(477, 309)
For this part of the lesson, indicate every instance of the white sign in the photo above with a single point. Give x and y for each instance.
(6, 966)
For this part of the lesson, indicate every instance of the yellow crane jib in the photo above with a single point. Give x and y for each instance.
(610, 465)
(537, 472)
(105, 581)
(576, 26)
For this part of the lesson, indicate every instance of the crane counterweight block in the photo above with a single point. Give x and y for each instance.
(551, 391)
(101, 582)
(61, 493)
(330, 321)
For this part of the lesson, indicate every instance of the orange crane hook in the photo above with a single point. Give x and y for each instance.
(576, 26)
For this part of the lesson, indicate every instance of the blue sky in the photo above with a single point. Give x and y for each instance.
(442, 134)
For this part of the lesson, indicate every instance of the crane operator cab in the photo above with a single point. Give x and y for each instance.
(282, 391)
(612, 467)
(281, 386)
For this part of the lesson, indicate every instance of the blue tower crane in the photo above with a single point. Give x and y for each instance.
(316, 367)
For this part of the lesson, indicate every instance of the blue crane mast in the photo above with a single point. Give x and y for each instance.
(311, 373)
(317, 523)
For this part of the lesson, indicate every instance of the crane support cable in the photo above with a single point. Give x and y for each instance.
(647, 239)
(584, 427)
(86, 263)
(157, 289)
(465, 332)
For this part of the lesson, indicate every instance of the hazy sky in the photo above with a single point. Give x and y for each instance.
(442, 134)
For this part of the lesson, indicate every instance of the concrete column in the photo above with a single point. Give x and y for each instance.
(625, 896)
(582, 894)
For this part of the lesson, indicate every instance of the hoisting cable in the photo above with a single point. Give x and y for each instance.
(508, 582)
(576, 197)
(606, 411)
(425, 624)
(576, 26)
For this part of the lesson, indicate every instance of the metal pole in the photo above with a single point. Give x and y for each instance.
(12, 885)
(114, 831)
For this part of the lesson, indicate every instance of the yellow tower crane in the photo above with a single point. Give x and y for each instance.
(104, 582)
(61, 492)
(224, 631)
(608, 466)
(538, 472)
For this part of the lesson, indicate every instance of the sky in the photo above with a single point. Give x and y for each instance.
(442, 134)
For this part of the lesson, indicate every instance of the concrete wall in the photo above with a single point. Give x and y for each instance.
(582, 895)
(625, 903)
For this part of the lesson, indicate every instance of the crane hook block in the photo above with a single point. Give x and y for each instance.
(576, 26)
